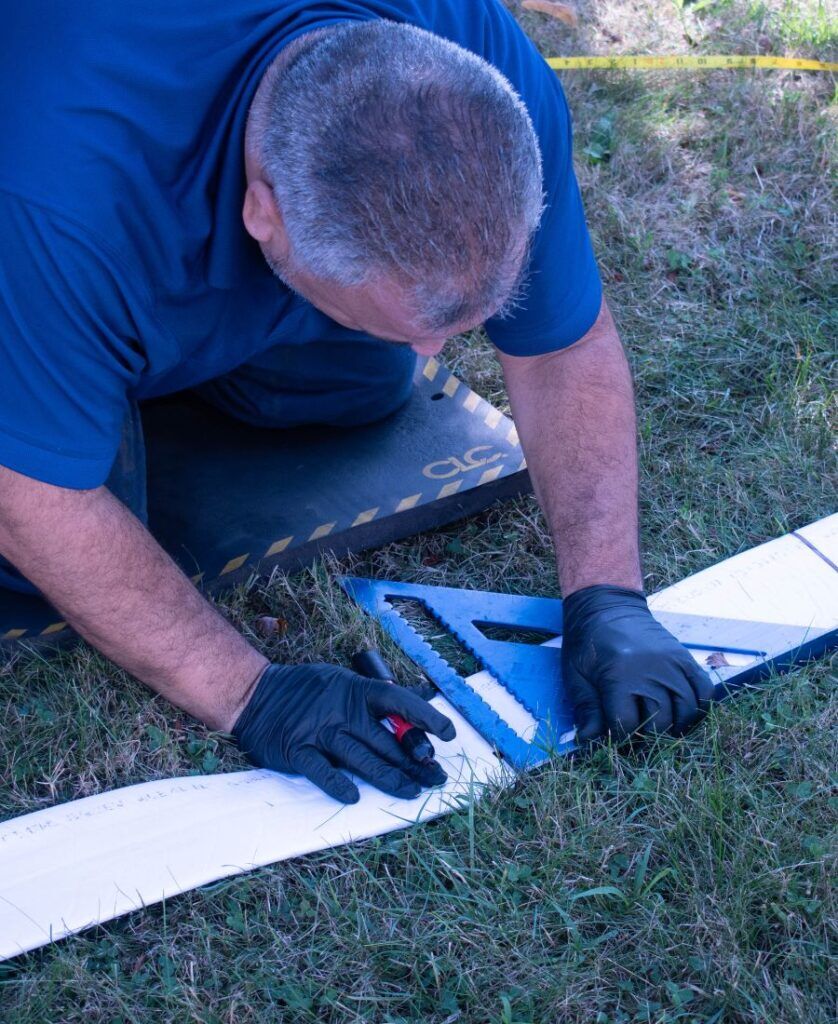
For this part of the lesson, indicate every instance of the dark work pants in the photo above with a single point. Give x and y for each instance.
(334, 383)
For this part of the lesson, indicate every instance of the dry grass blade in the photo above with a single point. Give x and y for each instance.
(564, 12)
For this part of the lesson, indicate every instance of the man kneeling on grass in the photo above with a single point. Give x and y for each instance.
(281, 203)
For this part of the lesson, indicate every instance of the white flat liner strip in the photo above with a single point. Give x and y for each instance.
(823, 536)
(783, 582)
(81, 863)
(88, 861)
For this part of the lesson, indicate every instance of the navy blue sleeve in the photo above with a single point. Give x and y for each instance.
(67, 350)
(562, 288)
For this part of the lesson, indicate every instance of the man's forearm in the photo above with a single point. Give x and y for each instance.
(574, 410)
(114, 584)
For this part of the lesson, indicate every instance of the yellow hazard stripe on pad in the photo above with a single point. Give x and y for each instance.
(366, 516)
(431, 368)
(448, 489)
(450, 387)
(233, 564)
(411, 501)
(490, 475)
(471, 402)
(322, 531)
(56, 627)
(492, 418)
(680, 61)
(278, 547)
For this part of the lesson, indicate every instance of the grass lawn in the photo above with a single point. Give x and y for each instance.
(689, 882)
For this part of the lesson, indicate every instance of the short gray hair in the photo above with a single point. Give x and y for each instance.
(393, 152)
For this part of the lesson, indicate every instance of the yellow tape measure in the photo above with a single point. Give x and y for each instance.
(734, 61)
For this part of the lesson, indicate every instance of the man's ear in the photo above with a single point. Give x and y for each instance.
(263, 220)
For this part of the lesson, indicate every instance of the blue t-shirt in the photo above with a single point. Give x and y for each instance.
(125, 269)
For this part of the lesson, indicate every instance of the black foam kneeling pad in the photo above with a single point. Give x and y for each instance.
(226, 498)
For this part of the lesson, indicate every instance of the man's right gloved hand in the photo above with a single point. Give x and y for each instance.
(623, 671)
(308, 719)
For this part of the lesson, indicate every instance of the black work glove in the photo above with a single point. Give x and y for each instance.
(307, 719)
(623, 671)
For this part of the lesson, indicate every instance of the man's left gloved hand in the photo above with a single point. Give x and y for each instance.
(623, 671)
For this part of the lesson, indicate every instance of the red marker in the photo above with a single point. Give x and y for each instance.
(411, 737)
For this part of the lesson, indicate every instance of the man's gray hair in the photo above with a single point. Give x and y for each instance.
(395, 153)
